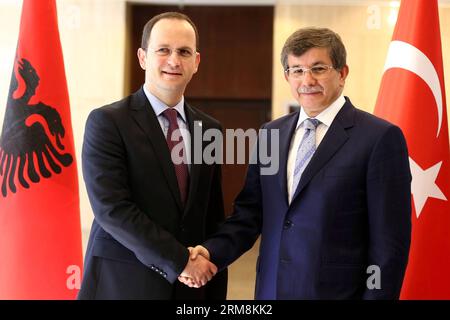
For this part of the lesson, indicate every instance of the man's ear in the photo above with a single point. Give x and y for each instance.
(197, 61)
(343, 73)
(142, 57)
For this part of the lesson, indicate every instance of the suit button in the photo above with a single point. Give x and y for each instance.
(288, 224)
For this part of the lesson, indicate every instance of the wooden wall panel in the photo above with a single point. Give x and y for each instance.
(235, 47)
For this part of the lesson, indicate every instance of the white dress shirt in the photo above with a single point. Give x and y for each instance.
(326, 117)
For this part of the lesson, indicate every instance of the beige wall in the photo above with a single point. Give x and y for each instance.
(93, 44)
(93, 41)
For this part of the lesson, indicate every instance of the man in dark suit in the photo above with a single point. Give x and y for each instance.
(335, 219)
(149, 206)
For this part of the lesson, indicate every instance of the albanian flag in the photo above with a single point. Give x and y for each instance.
(40, 233)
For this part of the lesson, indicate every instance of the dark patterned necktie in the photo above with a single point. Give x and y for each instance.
(181, 169)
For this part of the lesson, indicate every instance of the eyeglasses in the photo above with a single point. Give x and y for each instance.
(165, 52)
(319, 71)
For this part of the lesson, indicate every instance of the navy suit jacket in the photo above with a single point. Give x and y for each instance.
(351, 210)
(138, 240)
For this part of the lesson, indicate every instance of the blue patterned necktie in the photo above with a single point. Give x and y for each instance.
(305, 151)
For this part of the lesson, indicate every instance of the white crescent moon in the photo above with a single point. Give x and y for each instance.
(405, 56)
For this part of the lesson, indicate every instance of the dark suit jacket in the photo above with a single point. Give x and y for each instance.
(137, 245)
(351, 210)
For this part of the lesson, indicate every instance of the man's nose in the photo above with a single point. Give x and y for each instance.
(173, 59)
(308, 78)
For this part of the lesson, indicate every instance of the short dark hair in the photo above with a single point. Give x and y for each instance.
(306, 38)
(166, 15)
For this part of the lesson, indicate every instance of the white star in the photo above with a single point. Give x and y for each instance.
(424, 184)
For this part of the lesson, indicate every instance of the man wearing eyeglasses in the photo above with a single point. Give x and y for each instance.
(149, 206)
(335, 220)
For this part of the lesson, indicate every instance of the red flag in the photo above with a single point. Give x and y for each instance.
(412, 95)
(40, 234)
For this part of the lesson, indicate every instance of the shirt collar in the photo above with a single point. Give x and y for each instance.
(326, 116)
(159, 107)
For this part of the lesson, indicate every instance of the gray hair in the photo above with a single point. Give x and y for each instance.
(306, 38)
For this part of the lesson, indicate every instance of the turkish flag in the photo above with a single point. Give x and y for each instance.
(412, 95)
(40, 233)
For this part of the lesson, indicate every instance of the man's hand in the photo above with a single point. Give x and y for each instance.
(198, 271)
(199, 250)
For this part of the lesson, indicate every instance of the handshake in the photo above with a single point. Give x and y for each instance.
(199, 270)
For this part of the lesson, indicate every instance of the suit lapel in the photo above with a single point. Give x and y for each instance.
(335, 137)
(143, 114)
(193, 120)
(286, 132)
